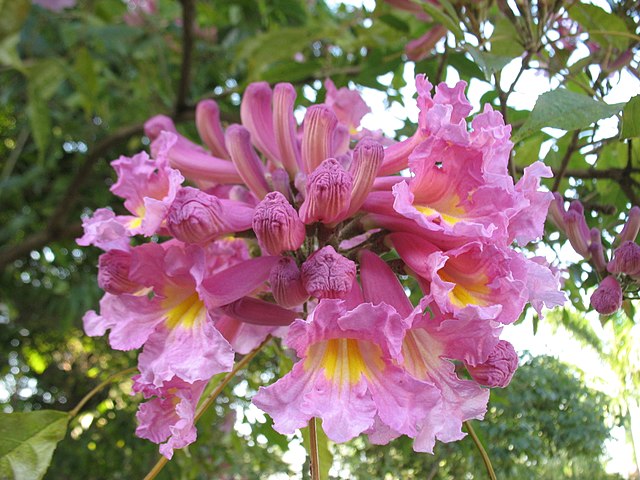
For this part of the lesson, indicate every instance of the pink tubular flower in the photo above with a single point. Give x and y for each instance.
(168, 418)
(196, 217)
(277, 225)
(328, 193)
(113, 273)
(148, 187)
(210, 129)
(631, 227)
(286, 283)
(327, 274)
(425, 349)
(498, 369)
(607, 299)
(626, 259)
(320, 124)
(346, 374)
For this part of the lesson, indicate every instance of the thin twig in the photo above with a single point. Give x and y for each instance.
(162, 461)
(483, 453)
(314, 454)
(565, 161)
(99, 387)
(188, 17)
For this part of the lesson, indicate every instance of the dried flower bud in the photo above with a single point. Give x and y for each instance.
(328, 193)
(286, 283)
(113, 273)
(197, 217)
(607, 298)
(626, 259)
(327, 274)
(277, 225)
(499, 367)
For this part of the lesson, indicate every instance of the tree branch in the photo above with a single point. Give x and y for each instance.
(565, 161)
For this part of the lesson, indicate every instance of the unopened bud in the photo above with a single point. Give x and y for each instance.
(318, 136)
(249, 165)
(499, 367)
(596, 250)
(277, 225)
(607, 298)
(631, 228)
(209, 127)
(327, 274)
(367, 158)
(557, 212)
(197, 217)
(577, 230)
(113, 273)
(626, 259)
(328, 193)
(158, 124)
(286, 283)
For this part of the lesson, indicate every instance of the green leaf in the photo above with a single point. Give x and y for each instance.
(14, 14)
(451, 23)
(505, 40)
(489, 63)
(593, 18)
(27, 442)
(567, 110)
(631, 119)
(326, 457)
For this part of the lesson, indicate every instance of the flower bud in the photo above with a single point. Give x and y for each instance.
(209, 127)
(498, 368)
(246, 160)
(277, 225)
(327, 274)
(286, 283)
(257, 118)
(596, 251)
(285, 127)
(158, 124)
(197, 217)
(557, 212)
(577, 230)
(626, 259)
(631, 228)
(318, 136)
(328, 193)
(113, 273)
(367, 158)
(607, 298)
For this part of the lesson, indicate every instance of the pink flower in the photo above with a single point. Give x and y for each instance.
(105, 230)
(346, 104)
(626, 259)
(498, 369)
(347, 374)
(286, 283)
(328, 193)
(113, 273)
(170, 414)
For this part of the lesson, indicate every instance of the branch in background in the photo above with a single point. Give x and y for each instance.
(565, 161)
(188, 17)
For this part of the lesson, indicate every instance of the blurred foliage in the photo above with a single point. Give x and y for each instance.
(72, 80)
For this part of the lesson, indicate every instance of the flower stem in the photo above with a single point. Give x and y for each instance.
(99, 387)
(483, 453)
(210, 399)
(314, 456)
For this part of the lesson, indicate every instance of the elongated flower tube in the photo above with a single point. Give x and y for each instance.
(209, 127)
(346, 375)
(285, 127)
(277, 225)
(577, 230)
(256, 115)
(317, 136)
(113, 273)
(286, 283)
(631, 227)
(607, 299)
(327, 274)
(367, 158)
(596, 250)
(246, 160)
(498, 369)
(258, 312)
(196, 164)
(626, 259)
(328, 194)
(197, 217)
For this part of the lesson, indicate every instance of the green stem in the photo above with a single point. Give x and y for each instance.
(210, 399)
(99, 387)
(314, 455)
(483, 453)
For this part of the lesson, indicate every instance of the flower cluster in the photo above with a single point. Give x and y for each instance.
(280, 229)
(618, 275)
